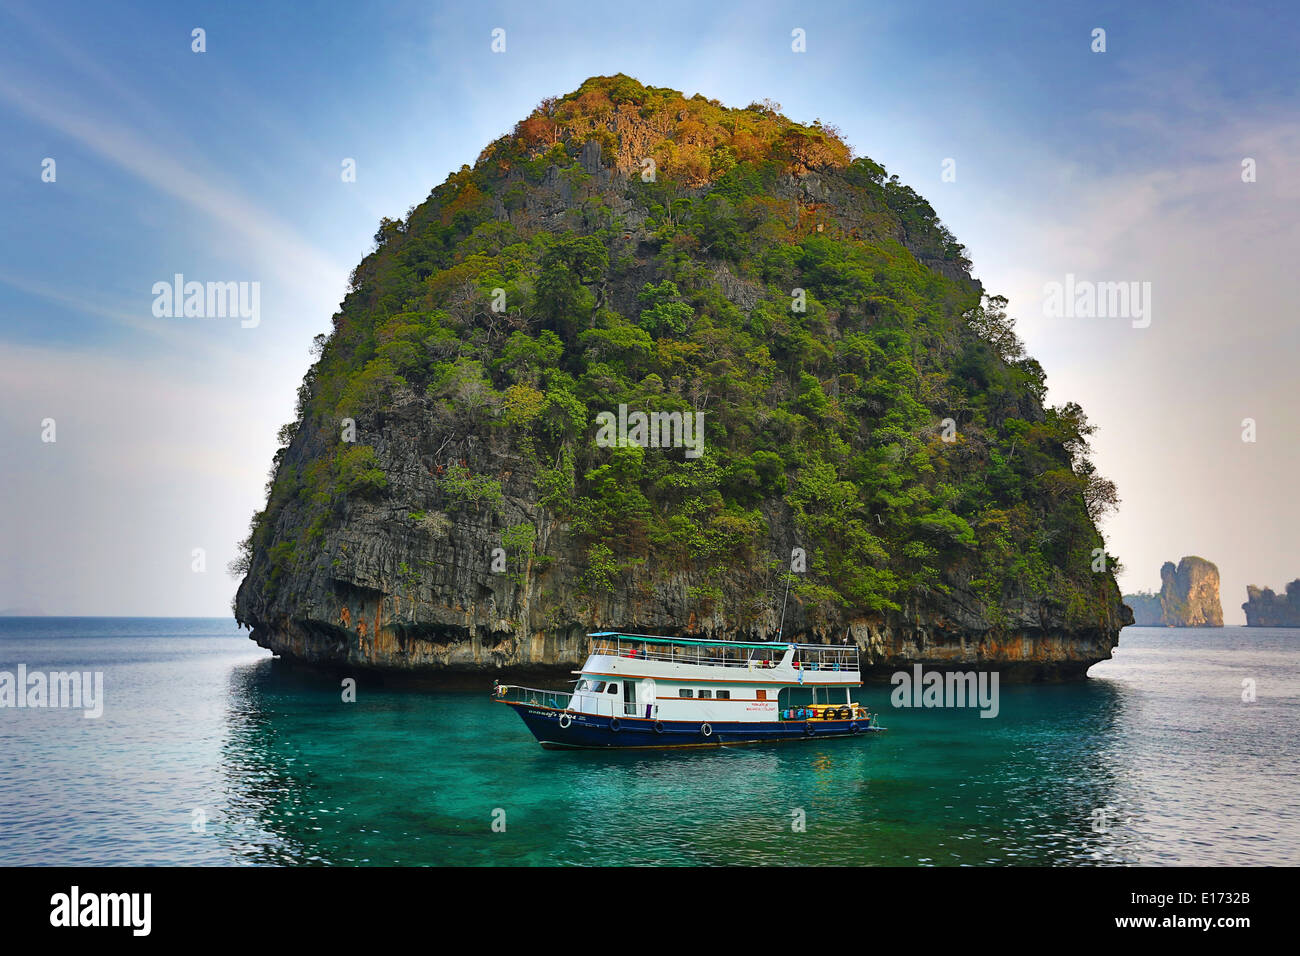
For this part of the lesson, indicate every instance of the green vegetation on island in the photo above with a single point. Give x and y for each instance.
(863, 398)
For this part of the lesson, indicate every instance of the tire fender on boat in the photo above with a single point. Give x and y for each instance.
(854, 727)
(614, 725)
(706, 730)
(565, 720)
(659, 726)
(808, 729)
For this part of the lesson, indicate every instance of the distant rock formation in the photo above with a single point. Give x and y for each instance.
(1147, 611)
(1266, 609)
(1189, 597)
(1189, 593)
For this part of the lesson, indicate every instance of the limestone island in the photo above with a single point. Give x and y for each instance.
(1266, 609)
(1189, 597)
(818, 398)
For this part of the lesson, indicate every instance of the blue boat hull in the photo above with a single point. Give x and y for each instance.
(564, 729)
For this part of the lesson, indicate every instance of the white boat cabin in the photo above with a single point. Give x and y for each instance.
(677, 679)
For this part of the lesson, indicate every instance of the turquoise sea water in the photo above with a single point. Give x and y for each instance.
(210, 752)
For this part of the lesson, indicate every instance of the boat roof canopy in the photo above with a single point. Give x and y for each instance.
(660, 639)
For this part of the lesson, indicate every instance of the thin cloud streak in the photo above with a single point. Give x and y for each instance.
(160, 329)
(150, 163)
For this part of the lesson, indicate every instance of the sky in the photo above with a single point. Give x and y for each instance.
(1045, 157)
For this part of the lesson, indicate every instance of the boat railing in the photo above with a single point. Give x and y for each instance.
(828, 659)
(601, 705)
(533, 696)
(815, 657)
(679, 654)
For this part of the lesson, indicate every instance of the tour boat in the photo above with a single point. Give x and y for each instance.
(644, 691)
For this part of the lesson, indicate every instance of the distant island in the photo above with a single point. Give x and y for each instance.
(1189, 597)
(1266, 609)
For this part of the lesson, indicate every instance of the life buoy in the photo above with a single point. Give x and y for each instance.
(706, 730)
(565, 720)
(614, 725)
(659, 726)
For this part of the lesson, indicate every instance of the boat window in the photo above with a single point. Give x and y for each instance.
(706, 695)
(724, 695)
(582, 685)
(613, 688)
(685, 692)
(597, 686)
(762, 695)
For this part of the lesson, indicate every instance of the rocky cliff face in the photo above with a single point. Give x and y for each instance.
(1189, 597)
(1189, 593)
(442, 505)
(1266, 609)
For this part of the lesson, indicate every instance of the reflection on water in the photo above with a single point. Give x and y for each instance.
(412, 777)
(258, 824)
(1202, 775)
(1155, 760)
